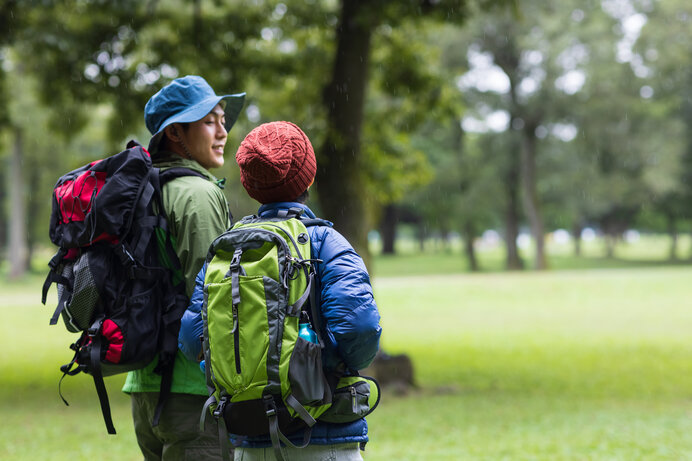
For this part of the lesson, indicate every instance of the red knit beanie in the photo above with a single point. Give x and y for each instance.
(277, 162)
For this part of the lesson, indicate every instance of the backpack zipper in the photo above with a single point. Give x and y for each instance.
(236, 338)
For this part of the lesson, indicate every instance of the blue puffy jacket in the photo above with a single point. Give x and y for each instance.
(350, 319)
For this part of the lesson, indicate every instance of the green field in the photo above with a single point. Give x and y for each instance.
(581, 364)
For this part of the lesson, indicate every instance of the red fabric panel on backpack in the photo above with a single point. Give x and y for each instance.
(75, 197)
(105, 238)
(112, 333)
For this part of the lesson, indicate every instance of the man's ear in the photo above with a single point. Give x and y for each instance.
(172, 131)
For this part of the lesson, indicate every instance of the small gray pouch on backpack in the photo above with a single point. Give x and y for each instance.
(355, 397)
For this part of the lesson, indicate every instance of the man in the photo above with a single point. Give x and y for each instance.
(189, 124)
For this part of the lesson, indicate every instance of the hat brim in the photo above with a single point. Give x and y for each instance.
(234, 104)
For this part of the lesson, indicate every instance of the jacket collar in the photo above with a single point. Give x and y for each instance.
(269, 210)
(165, 159)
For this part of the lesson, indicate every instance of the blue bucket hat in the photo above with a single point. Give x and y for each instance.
(186, 100)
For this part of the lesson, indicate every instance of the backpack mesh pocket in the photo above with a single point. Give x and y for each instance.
(79, 311)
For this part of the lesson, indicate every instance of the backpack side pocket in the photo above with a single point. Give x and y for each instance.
(355, 397)
(308, 384)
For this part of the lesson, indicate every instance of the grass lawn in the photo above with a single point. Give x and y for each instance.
(565, 365)
(575, 365)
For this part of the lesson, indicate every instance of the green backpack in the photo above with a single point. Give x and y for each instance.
(263, 377)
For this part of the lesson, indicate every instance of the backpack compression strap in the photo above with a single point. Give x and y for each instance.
(99, 384)
(275, 433)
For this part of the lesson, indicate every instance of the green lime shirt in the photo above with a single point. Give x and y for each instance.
(197, 213)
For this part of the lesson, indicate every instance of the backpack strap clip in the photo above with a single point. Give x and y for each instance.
(127, 260)
(269, 406)
(235, 261)
(94, 328)
(218, 411)
(57, 258)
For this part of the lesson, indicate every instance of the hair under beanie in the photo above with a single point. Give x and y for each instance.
(277, 162)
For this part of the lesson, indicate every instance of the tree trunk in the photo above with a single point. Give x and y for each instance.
(32, 215)
(514, 261)
(17, 247)
(469, 248)
(388, 228)
(339, 179)
(610, 240)
(530, 195)
(4, 215)
(673, 232)
(576, 235)
(422, 234)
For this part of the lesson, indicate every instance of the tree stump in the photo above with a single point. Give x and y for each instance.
(393, 372)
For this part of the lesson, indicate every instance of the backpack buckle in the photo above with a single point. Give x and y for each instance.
(94, 328)
(269, 405)
(235, 260)
(57, 258)
(218, 411)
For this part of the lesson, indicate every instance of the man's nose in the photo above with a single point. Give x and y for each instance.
(221, 131)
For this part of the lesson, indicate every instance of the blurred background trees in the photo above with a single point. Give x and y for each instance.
(448, 117)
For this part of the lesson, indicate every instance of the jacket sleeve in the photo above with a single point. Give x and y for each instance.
(347, 303)
(191, 325)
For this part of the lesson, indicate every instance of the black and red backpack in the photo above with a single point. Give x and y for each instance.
(118, 277)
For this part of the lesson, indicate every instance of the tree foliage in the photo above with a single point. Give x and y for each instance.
(597, 103)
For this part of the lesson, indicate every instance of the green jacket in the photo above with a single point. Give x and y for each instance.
(197, 213)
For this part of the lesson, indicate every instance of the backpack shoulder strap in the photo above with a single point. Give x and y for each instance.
(170, 174)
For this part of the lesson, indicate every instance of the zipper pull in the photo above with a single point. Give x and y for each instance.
(235, 319)
(353, 399)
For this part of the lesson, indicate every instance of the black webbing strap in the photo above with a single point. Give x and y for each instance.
(145, 189)
(126, 259)
(146, 227)
(164, 393)
(62, 302)
(169, 347)
(146, 196)
(95, 368)
(67, 368)
(53, 275)
(170, 174)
